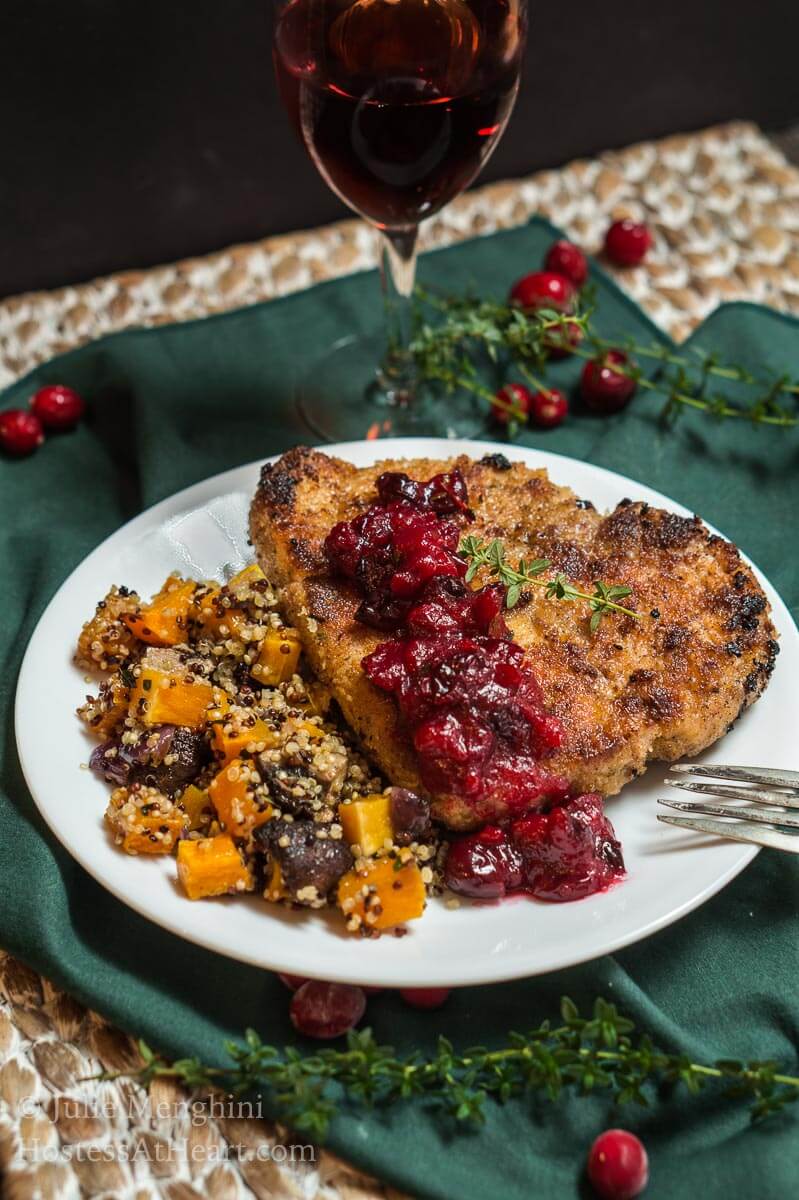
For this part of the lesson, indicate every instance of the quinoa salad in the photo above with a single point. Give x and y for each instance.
(223, 752)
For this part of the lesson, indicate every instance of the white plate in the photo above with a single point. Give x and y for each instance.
(202, 531)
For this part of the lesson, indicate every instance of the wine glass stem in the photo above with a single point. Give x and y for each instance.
(397, 372)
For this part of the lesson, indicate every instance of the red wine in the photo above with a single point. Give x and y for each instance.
(399, 102)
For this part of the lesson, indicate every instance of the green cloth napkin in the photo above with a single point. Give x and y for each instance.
(173, 405)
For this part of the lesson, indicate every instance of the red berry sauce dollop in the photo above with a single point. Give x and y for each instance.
(473, 707)
(565, 853)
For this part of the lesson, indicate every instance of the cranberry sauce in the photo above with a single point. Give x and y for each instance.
(566, 853)
(473, 707)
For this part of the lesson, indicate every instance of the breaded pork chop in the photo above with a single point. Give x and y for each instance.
(660, 687)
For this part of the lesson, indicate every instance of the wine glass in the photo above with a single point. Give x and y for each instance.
(399, 103)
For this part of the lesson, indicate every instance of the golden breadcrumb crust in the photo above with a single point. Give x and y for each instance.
(661, 687)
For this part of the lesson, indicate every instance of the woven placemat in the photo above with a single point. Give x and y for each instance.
(723, 206)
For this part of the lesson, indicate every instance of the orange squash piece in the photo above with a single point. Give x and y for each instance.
(163, 699)
(278, 657)
(246, 576)
(165, 619)
(383, 895)
(220, 706)
(216, 620)
(106, 640)
(197, 805)
(367, 823)
(212, 867)
(275, 889)
(231, 792)
(145, 821)
(158, 835)
(228, 741)
(106, 713)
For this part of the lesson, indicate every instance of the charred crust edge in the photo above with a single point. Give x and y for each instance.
(497, 461)
(277, 486)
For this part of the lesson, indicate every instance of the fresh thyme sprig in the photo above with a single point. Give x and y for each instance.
(473, 336)
(490, 556)
(599, 1053)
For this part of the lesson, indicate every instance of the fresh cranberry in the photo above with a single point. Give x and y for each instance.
(618, 1166)
(425, 997)
(564, 258)
(292, 982)
(627, 243)
(569, 852)
(603, 386)
(20, 432)
(57, 406)
(483, 866)
(543, 289)
(549, 408)
(326, 1010)
(511, 403)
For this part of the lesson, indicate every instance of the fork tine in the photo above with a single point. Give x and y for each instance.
(736, 833)
(758, 815)
(727, 792)
(770, 776)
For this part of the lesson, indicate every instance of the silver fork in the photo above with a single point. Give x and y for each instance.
(767, 799)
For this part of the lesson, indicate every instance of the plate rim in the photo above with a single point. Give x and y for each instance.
(203, 491)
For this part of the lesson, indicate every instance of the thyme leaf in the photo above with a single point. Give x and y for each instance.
(598, 1053)
(490, 556)
(460, 341)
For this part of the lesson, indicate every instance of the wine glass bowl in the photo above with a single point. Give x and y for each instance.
(399, 103)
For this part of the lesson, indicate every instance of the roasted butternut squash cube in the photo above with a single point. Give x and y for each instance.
(275, 889)
(197, 805)
(367, 823)
(212, 867)
(164, 621)
(218, 619)
(233, 797)
(219, 612)
(106, 640)
(163, 699)
(104, 713)
(314, 731)
(144, 821)
(245, 577)
(278, 657)
(229, 739)
(220, 706)
(387, 893)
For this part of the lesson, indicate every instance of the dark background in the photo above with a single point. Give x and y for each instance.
(139, 131)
